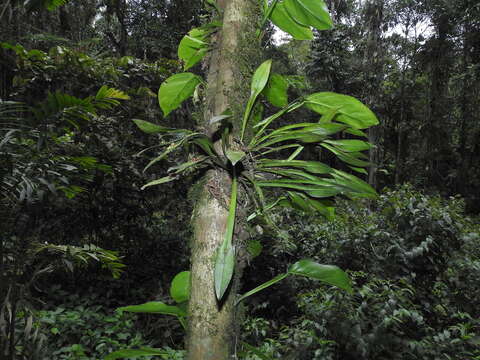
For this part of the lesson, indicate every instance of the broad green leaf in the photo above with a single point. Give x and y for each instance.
(175, 90)
(309, 13)
(276, 90)
(234, 156)
(150, 128)
(224, 266)
(328, 117)
(259, 80)
(192, 47)
(134, 353)
(154, 307)
(262, 286)
(350, 110)
(329, 274)
(284, 21)
(162, 180)
(350, 145)
(180, 287)
(225, 258)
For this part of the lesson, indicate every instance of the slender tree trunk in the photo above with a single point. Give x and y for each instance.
(373, 62)
(211, 327)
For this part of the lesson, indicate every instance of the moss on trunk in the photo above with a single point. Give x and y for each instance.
(211, 327)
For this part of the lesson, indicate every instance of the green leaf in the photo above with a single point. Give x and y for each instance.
(262, 286)
(187, 165)
(254, 248)
(350, 111)
(162, 180)
(150, 128)
(349, 158)
(259, 80)
(284, 21)
(256, 351)
(354, 184)
(276, 90)
(234, 156)
(309, 13)
(314, 167)
(192, 47)
(329, 274)
(133, 353)
(175, 90)
(180, 287)
(350, 145)
(225, 258)
(154, 307)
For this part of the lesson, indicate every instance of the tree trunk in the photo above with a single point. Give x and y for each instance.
(211, 325)
(373, 64)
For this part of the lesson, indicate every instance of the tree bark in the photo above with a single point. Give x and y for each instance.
(373, 63)
(211, 325)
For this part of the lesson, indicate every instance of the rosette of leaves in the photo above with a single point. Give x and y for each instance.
(308, 185)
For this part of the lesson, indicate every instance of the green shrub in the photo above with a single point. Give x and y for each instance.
(415, 262)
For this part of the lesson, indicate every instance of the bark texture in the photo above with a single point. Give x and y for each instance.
(211, 327)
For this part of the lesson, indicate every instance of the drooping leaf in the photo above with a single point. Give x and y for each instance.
(134, 353)
(154, 307)
(349, 145)
(225, 258)
(176, 89)
(276, 90)
(329, 274)
(315, 167)
(180, 287)
(309, 13)
(350, 110)
(284, 21)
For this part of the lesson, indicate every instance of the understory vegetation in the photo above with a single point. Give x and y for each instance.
(80, 239)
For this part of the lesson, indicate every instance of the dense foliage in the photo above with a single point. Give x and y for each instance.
(72, 212)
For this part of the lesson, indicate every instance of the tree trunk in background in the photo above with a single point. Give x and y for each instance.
(211, 326)
(434, 134)
(372, 64)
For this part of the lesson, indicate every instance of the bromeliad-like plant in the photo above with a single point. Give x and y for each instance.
(258, 163)
(309, 185)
